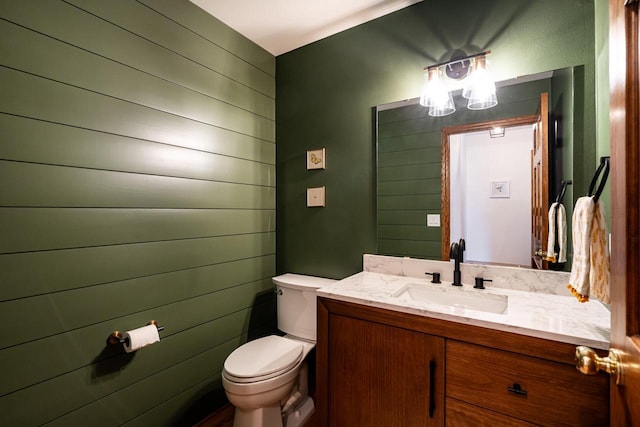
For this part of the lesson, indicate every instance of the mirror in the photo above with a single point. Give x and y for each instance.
(411, 164)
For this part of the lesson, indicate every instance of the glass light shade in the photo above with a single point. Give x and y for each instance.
(483, 102)
(480, 88)
(436, 96)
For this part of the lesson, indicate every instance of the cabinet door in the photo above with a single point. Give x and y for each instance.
(382, 375)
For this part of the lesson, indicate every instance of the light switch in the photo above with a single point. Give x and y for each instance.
(315, 197)
(433, 220)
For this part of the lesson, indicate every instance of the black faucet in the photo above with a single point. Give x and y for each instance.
(456, 252)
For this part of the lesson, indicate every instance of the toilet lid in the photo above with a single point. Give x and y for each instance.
(262, 358)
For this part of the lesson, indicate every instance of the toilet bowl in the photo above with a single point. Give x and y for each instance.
(266, 379)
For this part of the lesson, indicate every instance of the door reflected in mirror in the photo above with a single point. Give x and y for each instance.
(490, 195)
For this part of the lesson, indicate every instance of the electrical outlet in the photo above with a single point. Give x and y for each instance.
(433, 220)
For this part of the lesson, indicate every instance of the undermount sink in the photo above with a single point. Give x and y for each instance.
(453, 297)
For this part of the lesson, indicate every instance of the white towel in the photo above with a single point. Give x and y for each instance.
(562, 234)
(557, 225)
(590, 268)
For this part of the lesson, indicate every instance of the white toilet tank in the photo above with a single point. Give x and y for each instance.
(296, 296)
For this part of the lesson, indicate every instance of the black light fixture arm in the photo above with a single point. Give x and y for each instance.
(455, 61)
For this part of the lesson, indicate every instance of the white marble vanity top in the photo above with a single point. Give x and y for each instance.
(538, 314)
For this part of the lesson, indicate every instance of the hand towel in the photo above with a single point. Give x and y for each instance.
(590, 268)
(600, 267)
(551, 238)
(562, 233)
(557, 230)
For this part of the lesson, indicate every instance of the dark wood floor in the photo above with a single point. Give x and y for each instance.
(224, 418)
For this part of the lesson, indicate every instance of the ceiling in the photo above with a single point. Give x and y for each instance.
(280, 26)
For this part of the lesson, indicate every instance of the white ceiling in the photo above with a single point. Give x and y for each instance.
(280, 26)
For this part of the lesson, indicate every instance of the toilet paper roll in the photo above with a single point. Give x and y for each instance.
(141, 337)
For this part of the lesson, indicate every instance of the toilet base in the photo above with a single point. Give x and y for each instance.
(263, 417)
(301, 414)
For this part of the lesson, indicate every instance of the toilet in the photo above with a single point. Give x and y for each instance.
(266, 379)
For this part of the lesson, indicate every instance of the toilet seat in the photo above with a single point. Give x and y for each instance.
(262, 359)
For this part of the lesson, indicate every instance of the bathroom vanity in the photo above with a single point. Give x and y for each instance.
(387, 357)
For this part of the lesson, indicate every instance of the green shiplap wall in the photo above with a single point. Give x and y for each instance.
(137, 182)
(327, 92)
(409, 166)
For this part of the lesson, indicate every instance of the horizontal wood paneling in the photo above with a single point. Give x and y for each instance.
(137, 182)
(27, 229)
(42, 142)
(98, 35)
(45, 315)
(62, 391)
(411, 248)
(409, 157)
(36, 97)
(401, 217)
(70, 65)
(186, 408)
(216, 32)
(416, 201)
(409, 232)
(415, 186)
(54, 186)
(136, 18)
(428, 171)
(36, 273)
(220, 312)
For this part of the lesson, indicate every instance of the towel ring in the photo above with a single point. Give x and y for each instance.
(563, 189)
(604, 169)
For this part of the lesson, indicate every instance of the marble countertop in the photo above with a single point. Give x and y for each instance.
(542, 315)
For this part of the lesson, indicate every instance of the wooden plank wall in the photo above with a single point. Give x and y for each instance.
(137, 182)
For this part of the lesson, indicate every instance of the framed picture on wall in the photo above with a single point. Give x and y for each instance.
(500, 189)
(316, 159)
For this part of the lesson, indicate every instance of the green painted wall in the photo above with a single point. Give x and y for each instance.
(327, 91)
(137, 182)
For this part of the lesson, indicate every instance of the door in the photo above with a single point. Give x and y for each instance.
(625, 208)
(540, 186)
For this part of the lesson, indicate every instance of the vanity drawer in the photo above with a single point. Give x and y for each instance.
(460, 414)
(528, 388)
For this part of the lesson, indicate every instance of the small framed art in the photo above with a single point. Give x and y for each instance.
(316, 159)
(500, 189)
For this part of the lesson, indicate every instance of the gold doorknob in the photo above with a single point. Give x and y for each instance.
(540, 253)
(589, 363)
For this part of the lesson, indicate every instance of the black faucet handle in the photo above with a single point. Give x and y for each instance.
(436, 277)
(462, 245)
(453, 252)
(480, 282)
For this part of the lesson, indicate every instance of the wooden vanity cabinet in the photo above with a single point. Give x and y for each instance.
(377, 367)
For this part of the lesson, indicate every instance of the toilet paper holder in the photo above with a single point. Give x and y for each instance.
(116, 337)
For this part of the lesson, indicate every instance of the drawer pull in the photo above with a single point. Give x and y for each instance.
(517, 389)
(432, 388)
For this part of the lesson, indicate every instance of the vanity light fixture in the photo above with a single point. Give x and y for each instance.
(496, 132)
(479, 87)
(435, 94)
